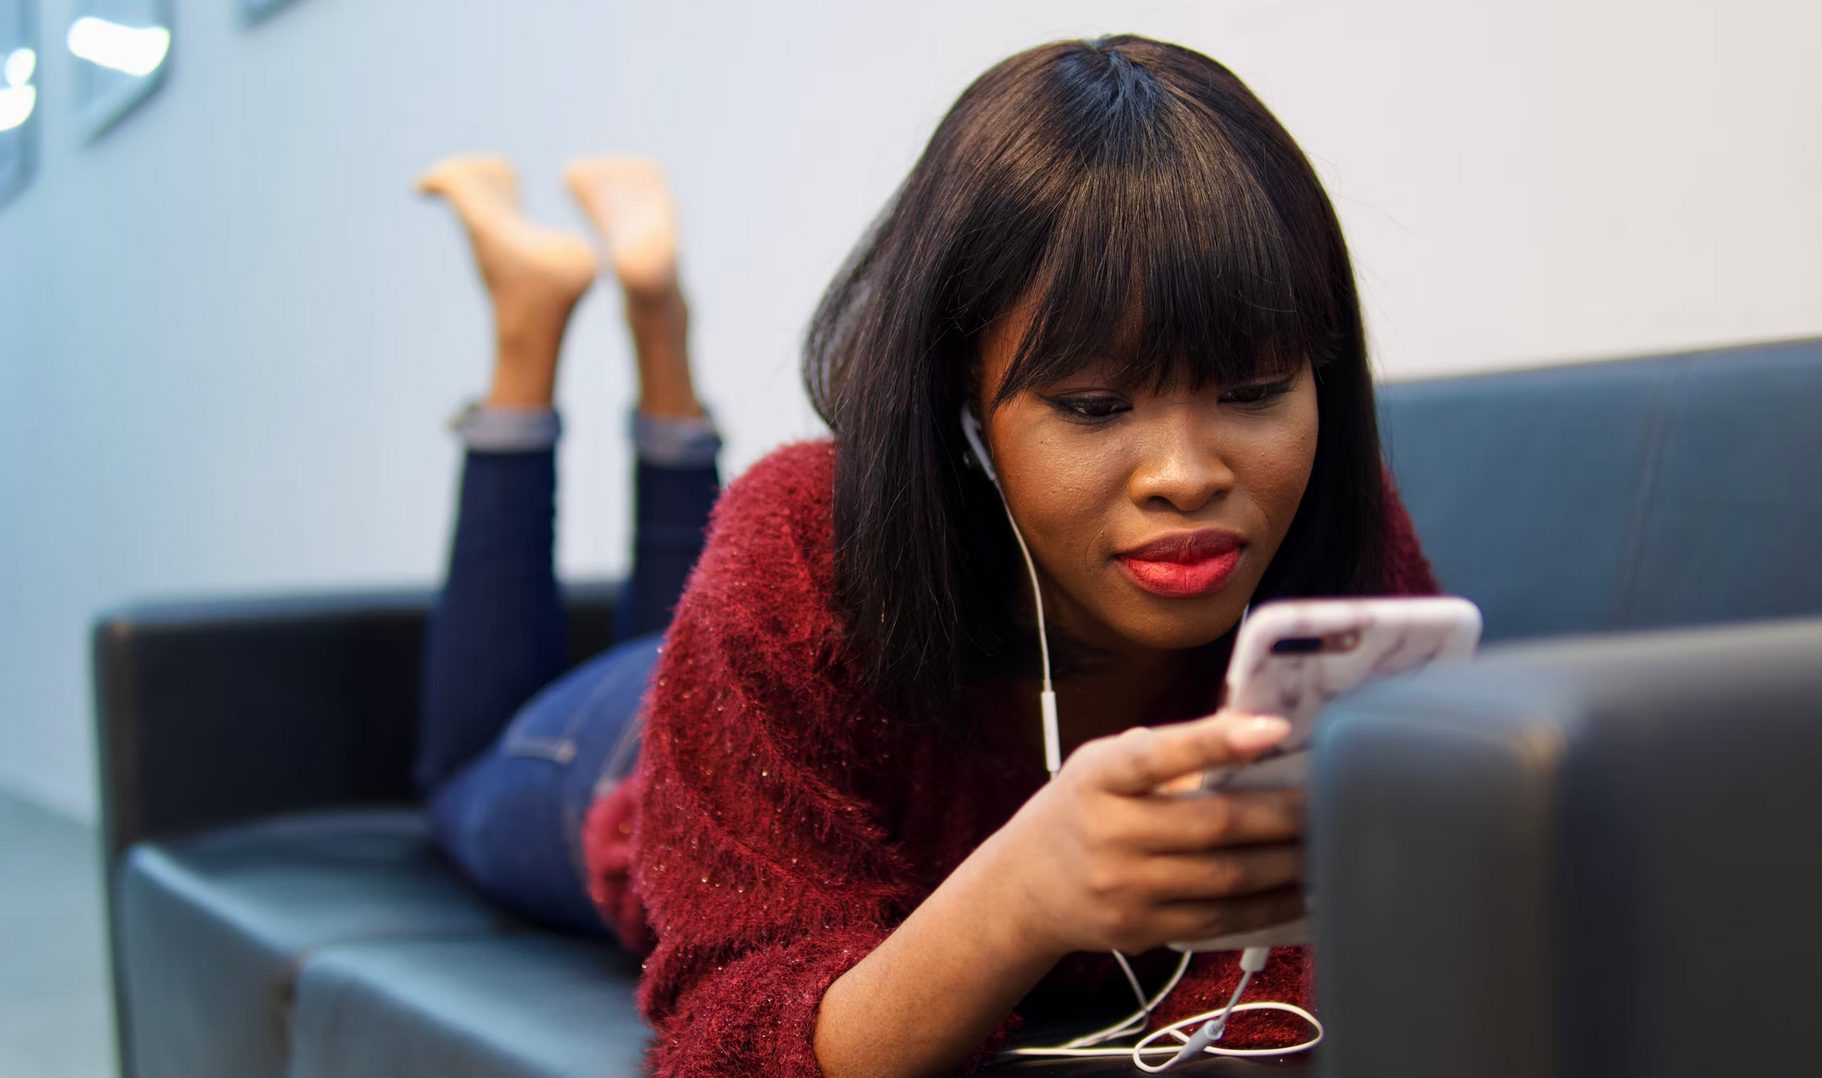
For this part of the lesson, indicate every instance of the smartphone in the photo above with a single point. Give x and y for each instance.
(1292, 657)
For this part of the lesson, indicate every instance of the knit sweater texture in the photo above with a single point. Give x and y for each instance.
(779, 824)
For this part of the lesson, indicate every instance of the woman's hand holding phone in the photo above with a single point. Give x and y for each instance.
(1122, 850)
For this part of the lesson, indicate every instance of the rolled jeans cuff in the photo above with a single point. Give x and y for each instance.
(675, 443)
(506, 430)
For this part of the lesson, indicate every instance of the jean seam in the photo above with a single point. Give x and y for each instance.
(560, 748)
(555, 750)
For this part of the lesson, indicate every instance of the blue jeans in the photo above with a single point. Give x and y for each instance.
(512, 750)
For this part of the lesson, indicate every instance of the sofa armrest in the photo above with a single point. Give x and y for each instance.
(213, 711)
(1585, 856)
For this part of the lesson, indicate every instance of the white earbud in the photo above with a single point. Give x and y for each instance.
(977, 445)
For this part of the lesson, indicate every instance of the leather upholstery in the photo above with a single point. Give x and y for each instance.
(1731, 523)
(333, 683)
(544, 1005)
(336, 677)
(214, 928)
(1586, 856)
(1673, 490)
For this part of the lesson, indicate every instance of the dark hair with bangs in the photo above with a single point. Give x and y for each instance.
(1161, 220)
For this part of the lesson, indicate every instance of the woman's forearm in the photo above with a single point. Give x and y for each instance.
(932, 993)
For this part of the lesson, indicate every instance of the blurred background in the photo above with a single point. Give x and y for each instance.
(230, 337)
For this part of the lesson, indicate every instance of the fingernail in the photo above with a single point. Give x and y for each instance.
(1257, 732)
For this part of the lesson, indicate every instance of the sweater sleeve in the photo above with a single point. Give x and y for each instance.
(762, 860)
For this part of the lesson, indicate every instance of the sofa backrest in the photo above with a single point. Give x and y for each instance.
(1643, 493)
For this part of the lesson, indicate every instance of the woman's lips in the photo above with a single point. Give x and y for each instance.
(1180, 579)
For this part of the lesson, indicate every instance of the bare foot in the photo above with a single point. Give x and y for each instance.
(519, 261)
(631, 207)
(534, 275)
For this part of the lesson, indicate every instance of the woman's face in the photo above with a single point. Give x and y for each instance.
(1152, 517)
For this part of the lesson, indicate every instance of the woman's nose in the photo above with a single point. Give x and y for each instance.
(1180, 464)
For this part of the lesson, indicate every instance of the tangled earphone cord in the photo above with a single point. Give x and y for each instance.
(1135, 1022)
(1189, 1046)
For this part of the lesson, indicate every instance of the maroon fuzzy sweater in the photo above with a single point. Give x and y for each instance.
(779, 824)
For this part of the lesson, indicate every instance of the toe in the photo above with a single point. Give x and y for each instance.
(466, 178)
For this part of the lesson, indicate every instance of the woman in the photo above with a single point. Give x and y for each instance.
(840, 842)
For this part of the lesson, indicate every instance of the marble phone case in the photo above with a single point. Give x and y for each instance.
(1362, 639)
(1389, 636)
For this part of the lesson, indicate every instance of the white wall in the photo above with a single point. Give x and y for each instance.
(229, 337)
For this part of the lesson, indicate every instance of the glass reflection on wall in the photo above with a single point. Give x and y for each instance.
(18, 96)
(121, 49)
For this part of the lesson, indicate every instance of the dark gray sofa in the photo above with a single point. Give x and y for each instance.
(277, 909)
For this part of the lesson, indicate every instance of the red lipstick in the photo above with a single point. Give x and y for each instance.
(1185, 564)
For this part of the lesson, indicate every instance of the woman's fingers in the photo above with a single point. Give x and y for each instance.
(1249, 870)
(1145, 758)
(1199, 822)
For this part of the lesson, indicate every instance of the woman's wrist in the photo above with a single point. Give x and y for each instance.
(991, 883)
(956, 967)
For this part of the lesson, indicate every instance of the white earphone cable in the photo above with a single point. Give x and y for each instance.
(1047, 697)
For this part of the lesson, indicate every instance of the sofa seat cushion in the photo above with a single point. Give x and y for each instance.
(215, 927)
(535, 1005)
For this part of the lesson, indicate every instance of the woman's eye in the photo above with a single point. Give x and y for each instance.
(1091, 407)
(1255, 394)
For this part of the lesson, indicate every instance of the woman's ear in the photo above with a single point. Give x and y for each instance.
(977, 443)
